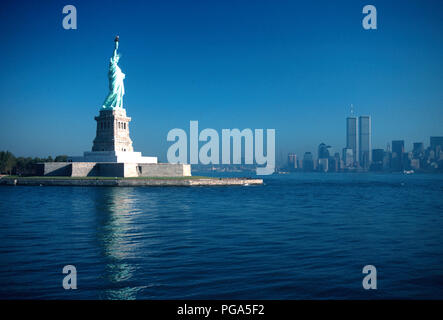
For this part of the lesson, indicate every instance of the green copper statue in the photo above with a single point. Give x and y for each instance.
(116, 87)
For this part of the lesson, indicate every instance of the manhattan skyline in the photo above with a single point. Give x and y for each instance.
(295, 67)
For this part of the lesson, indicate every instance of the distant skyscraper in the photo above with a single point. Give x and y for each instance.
(364, 141)
(418, 155)
(436, 143)
(334, 163)
(378, 155)
(351, 138)
(348, 157)
(387, 159)
(323, 157)
(418, 150)
(398, 148)
(292, 161)
(308, 162)
(323, 152)
(323, 164)
(377, 159)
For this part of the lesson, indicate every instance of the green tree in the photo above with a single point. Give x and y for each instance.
(7, 162)
(61, 158)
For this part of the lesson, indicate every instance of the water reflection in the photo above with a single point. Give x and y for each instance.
(116, 212)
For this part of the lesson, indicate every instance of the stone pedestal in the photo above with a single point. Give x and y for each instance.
(112, 131)
(112, 142)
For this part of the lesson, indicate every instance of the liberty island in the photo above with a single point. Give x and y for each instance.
(112, 143)
(113, 155)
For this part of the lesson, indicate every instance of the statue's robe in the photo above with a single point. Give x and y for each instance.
(116, 87)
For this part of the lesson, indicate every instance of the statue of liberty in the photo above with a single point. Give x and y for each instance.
(116, 88)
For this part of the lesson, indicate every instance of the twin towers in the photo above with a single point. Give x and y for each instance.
(358, 151)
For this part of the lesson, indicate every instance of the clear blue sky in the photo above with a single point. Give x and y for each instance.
(290, 65)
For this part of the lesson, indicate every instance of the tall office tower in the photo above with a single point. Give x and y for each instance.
(308, 162)
(398, 148)
(364, 141)
(351, 137)
(323, 165)
(348, 158)
(418, 150)
(377, 159)
(323, 152)
(335, 162)
(292, 161)
(323, 157)
(387, 157)
(436, 143)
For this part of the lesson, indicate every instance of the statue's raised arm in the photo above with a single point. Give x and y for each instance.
(116, 46)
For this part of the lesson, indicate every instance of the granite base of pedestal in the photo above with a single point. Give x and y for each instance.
(113, 169)
(114, 156)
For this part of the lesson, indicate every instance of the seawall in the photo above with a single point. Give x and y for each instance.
(127, 182)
